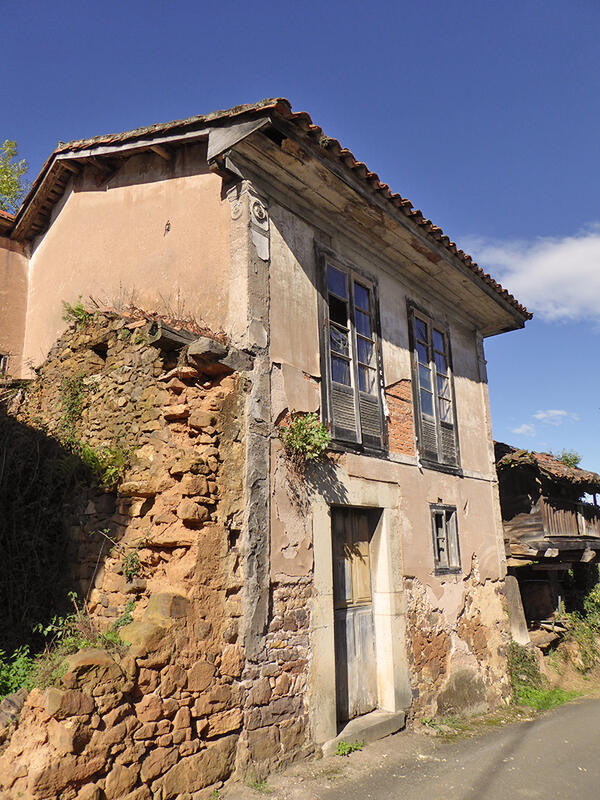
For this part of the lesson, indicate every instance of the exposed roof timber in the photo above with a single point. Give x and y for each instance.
(161, 151)
(222, 139)
(374, 197)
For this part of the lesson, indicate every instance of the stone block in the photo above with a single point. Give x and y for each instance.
(202, 769)
(157, 762)
(224, 722)
(149, 709)
(61, 704)
(176, 412)
(206, 349)
(120, 780)
(166, 606)
(232, 661)
(189, 511)
(194, 485)
(200, 676)
(200, 419)
(143, 634)
(263, 743)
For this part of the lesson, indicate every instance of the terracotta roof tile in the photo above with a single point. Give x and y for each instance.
(547, 465)
(280, 106)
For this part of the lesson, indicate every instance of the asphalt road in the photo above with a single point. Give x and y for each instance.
(555, 756)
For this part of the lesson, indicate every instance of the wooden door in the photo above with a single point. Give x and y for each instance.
(355, 664)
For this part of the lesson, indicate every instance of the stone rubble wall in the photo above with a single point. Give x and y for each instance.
(458, 645)
(182, 708)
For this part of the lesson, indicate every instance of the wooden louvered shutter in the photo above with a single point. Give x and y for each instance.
(367, 365)
(339, 348)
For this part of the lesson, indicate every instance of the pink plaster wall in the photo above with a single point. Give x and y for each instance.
(156, 235)
(13, 302)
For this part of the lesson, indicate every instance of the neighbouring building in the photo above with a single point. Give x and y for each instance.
(551, 532)
(374, 583)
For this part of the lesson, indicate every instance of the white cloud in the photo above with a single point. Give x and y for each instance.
(524, 430)
(558, 278)
(555, 416)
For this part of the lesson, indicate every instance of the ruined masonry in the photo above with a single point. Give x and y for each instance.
(183, 707)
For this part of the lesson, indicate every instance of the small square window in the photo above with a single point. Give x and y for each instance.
(3, 365)
(446, 551)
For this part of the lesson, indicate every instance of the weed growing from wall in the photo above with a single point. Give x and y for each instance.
(304, 439)
(77, 314)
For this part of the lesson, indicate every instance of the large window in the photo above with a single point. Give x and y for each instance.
(352, 359)
(446, 552)
(435, 418)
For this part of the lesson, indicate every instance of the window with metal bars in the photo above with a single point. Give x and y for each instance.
(434, 392)
(352, 358)
(446, 550)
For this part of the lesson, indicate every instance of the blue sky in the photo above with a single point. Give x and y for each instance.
(485, 115)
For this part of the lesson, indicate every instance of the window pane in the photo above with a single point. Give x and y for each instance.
(443, 387)
(365, 350)
(445, 411)
(440, 363)
(422, 354)
(421, 329)
(361, 297)
(363, 323)
(366, 380)
(438, 535)
(340, 370)
(453, 554)
(438, 341)
(336, 281)
(426, 403)
(425, 378)
(338, 340)
(338, 311)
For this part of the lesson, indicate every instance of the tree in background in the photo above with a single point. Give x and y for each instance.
(13, 186)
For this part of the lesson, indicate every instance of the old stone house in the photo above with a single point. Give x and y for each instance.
(376, 580)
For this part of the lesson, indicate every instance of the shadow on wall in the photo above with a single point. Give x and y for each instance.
(322, 481)
(45, 549)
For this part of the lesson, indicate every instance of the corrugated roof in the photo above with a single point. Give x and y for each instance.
(547, 465)
(280, 106)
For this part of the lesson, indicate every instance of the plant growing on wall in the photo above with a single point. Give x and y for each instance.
(76, 313)
(304, 438)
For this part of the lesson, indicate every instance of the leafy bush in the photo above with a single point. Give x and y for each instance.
(528, 685)
(14, 670)
(345, 748)
(305, 438)
(569, 457)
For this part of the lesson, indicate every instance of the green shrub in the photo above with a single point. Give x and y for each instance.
(528, 685)
(305, 438)
(77, 313)
(15, 670)
(345, 748)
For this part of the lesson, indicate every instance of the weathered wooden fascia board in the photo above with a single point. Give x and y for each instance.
(129, 149)
(384, 205)
(222, 138)
(242, 161)
(267, 159)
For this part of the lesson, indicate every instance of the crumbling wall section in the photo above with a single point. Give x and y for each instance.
(176, 713)
(458, 643)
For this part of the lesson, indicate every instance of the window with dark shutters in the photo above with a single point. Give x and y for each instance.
(352, 359)
(434, 394)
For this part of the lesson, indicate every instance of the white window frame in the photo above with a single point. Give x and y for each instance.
(361, 399)
(447, 427)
